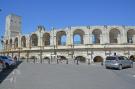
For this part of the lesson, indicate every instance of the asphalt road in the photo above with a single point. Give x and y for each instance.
(68, 76)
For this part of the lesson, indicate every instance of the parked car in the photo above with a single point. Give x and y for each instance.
(118, 62)
(1, 65)
(8, 62)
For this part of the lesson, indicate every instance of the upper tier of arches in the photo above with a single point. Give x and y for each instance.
(74, 36)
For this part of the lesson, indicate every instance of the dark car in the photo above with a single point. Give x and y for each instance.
(118, 62)
(8, 62)
(1, 65)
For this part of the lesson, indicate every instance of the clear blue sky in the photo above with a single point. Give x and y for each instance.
(63, 13)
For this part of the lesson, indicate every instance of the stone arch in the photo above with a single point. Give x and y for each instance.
(22, 58)
(98, 59)
(130, 34)
(78, 36)
(59, 39)
(82, 59)
(113, 35)
(33, 57)
(96, 36)
(10, 43)
(46, 58)
(34, 40)
(16, 42)
(63, 58)
(46, 39)
(23, 41)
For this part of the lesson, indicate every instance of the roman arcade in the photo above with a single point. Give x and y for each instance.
(89, 43)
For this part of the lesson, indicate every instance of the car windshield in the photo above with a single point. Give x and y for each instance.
(4, 57)
(111, 58)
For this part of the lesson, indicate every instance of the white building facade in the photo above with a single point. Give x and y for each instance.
(88, 43)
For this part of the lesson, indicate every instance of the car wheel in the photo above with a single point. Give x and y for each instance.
(1, 67)
(131, 66)
(107, 67)
(7, 66)
(120, 67)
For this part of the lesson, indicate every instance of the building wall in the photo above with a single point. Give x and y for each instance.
(87, 48)
(70, 50)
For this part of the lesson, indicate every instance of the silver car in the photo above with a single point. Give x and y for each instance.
(118, 62)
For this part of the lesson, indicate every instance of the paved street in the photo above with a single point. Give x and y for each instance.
(68, 76)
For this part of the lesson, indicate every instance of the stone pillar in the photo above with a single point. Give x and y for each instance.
(106, 36)
(28, 42)
(119, 39)
(70, 37)
(19, 42)
(53, 37)
(90, 38)
(123, 35)
(39, 39)
(133, 38)
(86, 37)
(68, 41)
(101, 39)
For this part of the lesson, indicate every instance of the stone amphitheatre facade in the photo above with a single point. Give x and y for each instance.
(93, 44)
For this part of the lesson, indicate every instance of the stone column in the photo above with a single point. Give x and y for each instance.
(68, 41)
(119, 39)
(106, 36)
(133, 38)
(101, 39)
(19, 42)
(40, 39)
(90, 38)
(86, 37)
(53, 38)
(28, 42)
(123, 35)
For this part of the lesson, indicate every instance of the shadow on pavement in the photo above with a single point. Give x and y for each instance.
(6, 72)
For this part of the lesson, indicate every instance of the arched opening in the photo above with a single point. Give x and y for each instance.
(113, 35)
(16, 42)
(46, 58)
(96, 36)
(78, 36)
(33, 57)
(61, 38)
(132, 57)
(46, 39)
(63, 58)
(23, 41)
(130, 34)
(22, 58)
(34, 40)
(81, 59)
(10, 43)
(98, 59)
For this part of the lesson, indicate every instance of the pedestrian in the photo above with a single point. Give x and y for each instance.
(114, 54)
(15, 58)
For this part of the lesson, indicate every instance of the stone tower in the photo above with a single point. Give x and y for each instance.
(13, 26)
